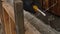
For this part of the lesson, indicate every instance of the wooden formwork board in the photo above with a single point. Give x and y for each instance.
(9, 23)
(30, 30)
(13, 18)
(9, 9)
(8, 27)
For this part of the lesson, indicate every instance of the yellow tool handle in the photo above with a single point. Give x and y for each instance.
(35, 7)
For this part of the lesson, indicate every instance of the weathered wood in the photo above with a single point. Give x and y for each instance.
(39, 25)
(55, 9)
(10, 10)
(1, 17)
(9, 25)
(19, 19)
(30, 29)
(6, 23)
(9, 22)
(45, 4)
(0, 8)
(12, 26)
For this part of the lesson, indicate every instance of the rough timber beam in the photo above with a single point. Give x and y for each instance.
(19, 17)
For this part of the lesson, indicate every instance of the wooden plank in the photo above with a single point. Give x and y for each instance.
(0, 8)
(10, 10)
(45, 4)
(39, 25)
(10, 14)
(9, 25)
(6, 23)
(12, 26)
(1, 17)
(19, 19)
(30, 29)
(56, 8)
